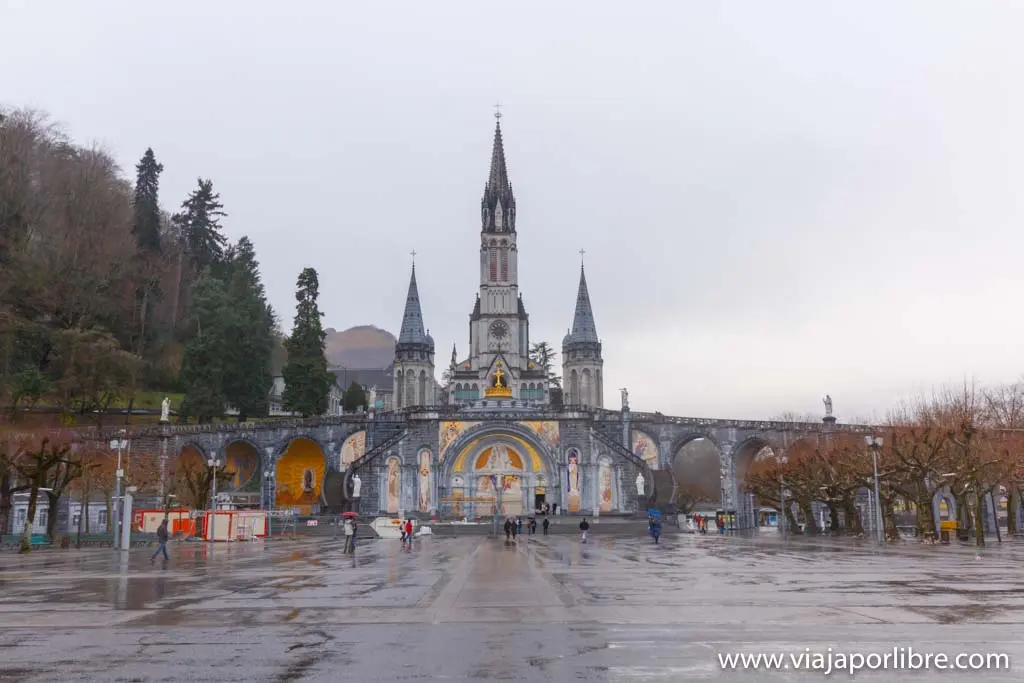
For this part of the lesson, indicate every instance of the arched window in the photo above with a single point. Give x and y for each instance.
(586, 388)
(504, 264)
(423, 388)
(410, 389)
(494, 264)
(574, 388)
(399, 389)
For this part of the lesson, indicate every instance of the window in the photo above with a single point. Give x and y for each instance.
(101, 519)
(43, 516)
(494, 264)
(504, 264)
(19, 518)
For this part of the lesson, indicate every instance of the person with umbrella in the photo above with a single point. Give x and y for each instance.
(350, 533)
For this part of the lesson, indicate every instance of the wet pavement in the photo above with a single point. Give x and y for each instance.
(474, 608)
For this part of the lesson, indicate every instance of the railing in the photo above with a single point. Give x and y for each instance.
(376, 451)
(619, 449)
(511, 410)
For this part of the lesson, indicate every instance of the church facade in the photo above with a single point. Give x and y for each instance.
(497, 434)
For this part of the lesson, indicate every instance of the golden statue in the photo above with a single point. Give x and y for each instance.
(501, 389)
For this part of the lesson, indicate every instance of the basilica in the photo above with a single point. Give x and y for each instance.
(496, 363)
(498, 434)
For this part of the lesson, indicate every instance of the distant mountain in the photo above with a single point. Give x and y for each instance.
(360, 347)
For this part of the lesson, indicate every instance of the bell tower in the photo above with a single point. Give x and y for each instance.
(582, 364)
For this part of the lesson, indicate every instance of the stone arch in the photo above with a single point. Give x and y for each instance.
(744, 454)
(300, 472)
(945, 506)
(695, 461)
(532, 467)
(244, 459)
(184, 472)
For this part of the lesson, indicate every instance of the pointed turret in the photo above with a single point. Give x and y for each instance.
(455, 357)
(582, 364)
(414, 355)
(584, 329)
(498, 207)
(412, 321)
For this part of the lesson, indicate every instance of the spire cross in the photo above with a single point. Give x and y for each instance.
(582, 252)
(497, 111)
(413, 254)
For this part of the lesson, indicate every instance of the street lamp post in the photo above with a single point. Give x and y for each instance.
(268, 476)
(214, 463)
(782, 506)
(875, 442)
(118, 445)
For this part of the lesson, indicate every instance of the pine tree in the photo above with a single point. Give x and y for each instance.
(146, 228)
(146, 206)
(199, 223)
(544, 357)
(248, 379)
(307, 382)
(203, 368)
(354, 398)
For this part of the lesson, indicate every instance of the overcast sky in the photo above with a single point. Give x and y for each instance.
(777, 200)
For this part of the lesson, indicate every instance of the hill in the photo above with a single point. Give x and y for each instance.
(360, 347)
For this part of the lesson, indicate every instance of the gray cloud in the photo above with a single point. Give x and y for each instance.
(777, 200)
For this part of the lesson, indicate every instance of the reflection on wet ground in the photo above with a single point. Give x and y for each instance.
(545, 608)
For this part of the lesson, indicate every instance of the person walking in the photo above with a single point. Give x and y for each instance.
(349, 535)
(508, 530)
(533, 526)
(519, 525)
(654, 527)
(161, 539)
(584, 525)
(408, 533)
(547, 523)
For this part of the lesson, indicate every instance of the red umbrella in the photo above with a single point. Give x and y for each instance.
(350, 514)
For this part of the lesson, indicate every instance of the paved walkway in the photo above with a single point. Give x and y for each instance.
(546, 608)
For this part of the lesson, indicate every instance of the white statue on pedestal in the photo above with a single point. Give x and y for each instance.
(828, 405)
(357, 485)
(625, 398)
(373, 398)
(640, 484)
(165, 410)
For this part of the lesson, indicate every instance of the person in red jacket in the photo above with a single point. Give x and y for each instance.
(408, 532)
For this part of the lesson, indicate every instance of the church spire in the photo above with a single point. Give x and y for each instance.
(584, 329)
(412, 321)
(498, 207)
(455, 358)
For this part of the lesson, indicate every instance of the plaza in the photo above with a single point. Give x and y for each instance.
(547, 608)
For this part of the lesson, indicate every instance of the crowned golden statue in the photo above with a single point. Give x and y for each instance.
(500, 388)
